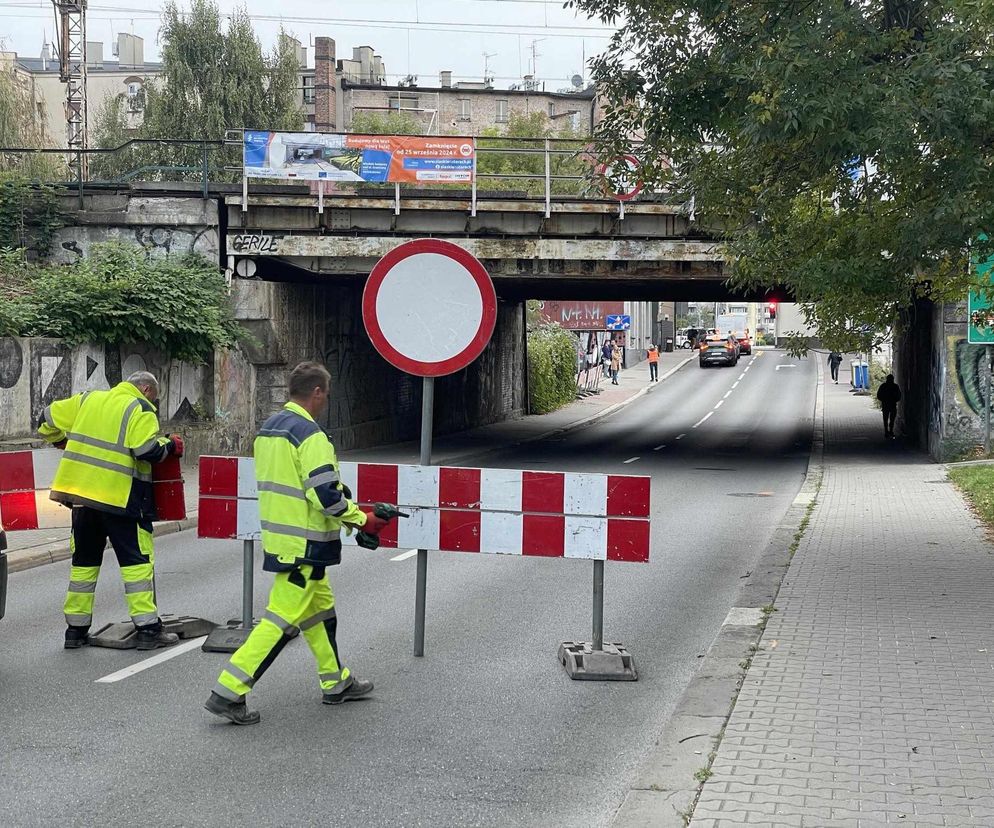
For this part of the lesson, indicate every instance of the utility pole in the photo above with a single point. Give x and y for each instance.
(486, 66)
(70, 19)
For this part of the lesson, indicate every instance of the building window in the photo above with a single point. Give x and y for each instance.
(308, 87)
(552, 109)
(136, 97)
(405, 101)
(465, 113)
(501, 112)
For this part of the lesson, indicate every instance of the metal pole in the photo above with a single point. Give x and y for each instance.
(427, 416)
(206, 174)
(248, 564)
(548, 182)
(598, 605)
(987, 406)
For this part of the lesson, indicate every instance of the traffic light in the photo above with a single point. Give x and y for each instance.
(773, 310)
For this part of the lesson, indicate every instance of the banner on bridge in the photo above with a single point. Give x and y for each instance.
(316, 156)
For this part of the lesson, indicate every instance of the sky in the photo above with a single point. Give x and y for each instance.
(419, 37)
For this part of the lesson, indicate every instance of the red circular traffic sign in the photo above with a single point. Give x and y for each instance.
(632, 182)
(429, 307)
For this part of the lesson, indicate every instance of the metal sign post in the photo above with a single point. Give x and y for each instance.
(430, 309)
(230, 637)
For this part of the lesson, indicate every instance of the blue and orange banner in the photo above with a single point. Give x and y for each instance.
(315, 156)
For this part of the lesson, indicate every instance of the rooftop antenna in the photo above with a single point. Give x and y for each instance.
(536, 54)
(487, 80)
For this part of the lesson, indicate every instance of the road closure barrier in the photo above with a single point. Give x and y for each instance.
(586, 516)
(26, 480)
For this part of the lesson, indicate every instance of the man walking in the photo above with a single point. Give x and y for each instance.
(110, 441)
(303, 506)
(653, 358)
(889, 395)
(834, 361)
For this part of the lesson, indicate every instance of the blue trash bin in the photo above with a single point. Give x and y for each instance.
(860, 375)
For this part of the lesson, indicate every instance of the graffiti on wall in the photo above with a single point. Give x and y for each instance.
(35, 372)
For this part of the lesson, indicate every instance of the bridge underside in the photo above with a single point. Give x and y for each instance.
(543, 279)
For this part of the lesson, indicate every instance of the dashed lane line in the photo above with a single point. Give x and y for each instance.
(705, 417)
(148, 663)
(741, 376)
(681, 436)
(718, 404)
(631, 460)
(735, 384)
(728, 393)
(660, 447)
(403, 556)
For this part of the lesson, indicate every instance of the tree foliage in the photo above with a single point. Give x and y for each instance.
(844, 148)
(116, 295)
(21, 126)
(215, 76)
(393, 123)
(551, 368)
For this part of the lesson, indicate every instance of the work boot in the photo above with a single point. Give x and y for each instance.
(354, 689)
(234, 711)
(77, 637)
(151, 638)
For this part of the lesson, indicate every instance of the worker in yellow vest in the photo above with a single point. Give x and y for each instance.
(110, 439)
(303, 507)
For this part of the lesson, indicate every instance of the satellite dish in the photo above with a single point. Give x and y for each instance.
(577, 81)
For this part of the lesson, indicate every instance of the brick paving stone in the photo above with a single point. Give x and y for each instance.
(876, 704)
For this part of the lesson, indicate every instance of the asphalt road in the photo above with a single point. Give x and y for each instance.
(486, 729)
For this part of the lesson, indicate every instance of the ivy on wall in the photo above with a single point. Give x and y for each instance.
(551, 368)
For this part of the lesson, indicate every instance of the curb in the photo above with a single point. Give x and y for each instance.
(58, 552)
(666, 789)
(459, 458)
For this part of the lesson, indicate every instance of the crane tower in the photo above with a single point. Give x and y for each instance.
(70, 20)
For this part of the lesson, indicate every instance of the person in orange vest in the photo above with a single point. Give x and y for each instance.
(653, 363)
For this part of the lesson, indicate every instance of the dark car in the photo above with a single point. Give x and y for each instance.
(745, 343)
(719, 350)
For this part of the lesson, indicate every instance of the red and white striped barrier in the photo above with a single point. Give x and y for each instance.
(26, 478)
(495, 511)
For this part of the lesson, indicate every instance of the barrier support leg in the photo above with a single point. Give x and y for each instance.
(597, 661)
(230, 637)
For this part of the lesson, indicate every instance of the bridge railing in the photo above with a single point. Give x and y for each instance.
(506, 167)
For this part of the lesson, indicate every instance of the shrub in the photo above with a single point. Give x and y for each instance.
(551, 368)
(116, 295)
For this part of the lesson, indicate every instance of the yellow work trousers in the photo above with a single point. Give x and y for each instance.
(299, 600)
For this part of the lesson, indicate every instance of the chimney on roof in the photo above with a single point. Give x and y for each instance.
(46, 55)
(324, 85)
(94, 54)
(445, 79)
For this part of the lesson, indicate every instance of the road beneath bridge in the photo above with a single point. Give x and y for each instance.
(486, 729)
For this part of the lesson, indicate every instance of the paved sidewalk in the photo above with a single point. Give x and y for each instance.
(870, 700)
(632, 384)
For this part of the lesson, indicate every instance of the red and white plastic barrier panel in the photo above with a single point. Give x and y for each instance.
(495, 511)
(26, 478)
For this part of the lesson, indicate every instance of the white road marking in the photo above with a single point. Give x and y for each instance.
(728, 393)
(718, 404)
(141, 666)
(705, 417)
(735, 384)
(403, 556)
(741, 376)
(631, 460)
(660, 447)
(784, 366)
(680, 436)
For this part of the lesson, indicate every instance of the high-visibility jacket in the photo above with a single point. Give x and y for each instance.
(302, 501)
(653, 354)
(112, 440)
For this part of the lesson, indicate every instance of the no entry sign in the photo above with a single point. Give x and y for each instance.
(622, 178)
(429, 307)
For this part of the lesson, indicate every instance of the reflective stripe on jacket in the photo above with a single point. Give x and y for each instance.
(302, 505)
(112, 440)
